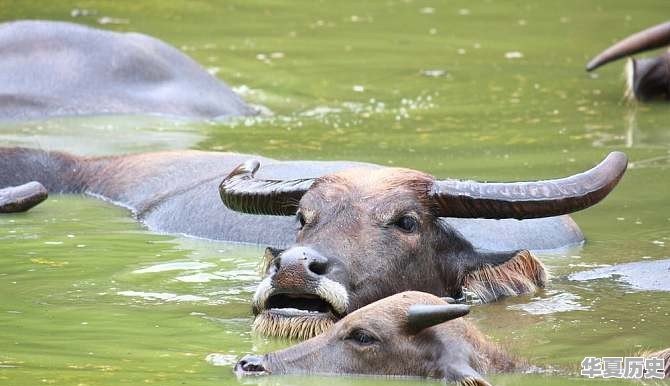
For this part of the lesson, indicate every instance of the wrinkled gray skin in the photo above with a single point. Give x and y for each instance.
(177, 192)
(50, 68)
(380, 339)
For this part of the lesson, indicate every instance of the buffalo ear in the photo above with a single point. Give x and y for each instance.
(271, 253)
(494, 275)
(421, 316)
(268, 256)
(473, 381)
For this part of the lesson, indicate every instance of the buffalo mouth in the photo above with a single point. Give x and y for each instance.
(298, 314)
(298, 305)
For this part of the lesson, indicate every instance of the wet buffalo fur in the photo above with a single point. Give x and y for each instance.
(522, 274)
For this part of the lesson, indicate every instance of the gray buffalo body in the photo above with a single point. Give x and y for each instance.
(58, 69)
(177, 192)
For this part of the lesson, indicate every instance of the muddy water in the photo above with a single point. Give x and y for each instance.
(474, 89)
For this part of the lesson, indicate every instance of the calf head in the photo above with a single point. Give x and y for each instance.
(408, 334)
(365, 234)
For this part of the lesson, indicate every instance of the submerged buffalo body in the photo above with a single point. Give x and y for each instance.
(55, 68)
(345, 234)
(407, 334)
(647, 78)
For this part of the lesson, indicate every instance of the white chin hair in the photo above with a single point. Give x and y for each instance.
(334, 293)
(293, 327)
(263, 292)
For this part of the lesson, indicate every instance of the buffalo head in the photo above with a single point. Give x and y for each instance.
(647, 78)
(365, 234)
(408, 334)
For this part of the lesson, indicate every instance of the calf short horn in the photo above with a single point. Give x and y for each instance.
(420, 316)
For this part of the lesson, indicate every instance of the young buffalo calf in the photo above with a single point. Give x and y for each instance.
(407, 334)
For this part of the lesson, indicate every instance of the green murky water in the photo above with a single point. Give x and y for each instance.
(479, 89)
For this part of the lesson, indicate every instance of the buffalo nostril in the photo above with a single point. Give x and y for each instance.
(253, 367)
(318, 267)
(250, 364)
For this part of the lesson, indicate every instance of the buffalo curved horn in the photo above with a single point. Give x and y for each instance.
(533, 199)
(420, 316)
(242, 192)
(23, 197)
(653, 37)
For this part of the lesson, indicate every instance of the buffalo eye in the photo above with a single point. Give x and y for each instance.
(301, 219)
(362, 337)
(407, 224)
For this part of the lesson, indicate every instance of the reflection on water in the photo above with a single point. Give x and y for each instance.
(642, 275)
(459, 89)
(561, 302)
(105, 135)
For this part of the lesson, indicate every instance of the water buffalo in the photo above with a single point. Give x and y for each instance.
(357, 232)
(407, 334)
(52, 68)
(365, 234)
(648, 78)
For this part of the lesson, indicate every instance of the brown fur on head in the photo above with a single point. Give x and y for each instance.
(380, 338)
(521, 274)
(370, 233)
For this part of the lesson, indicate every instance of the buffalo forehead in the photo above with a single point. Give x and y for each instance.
(366, 184)
(396, 305)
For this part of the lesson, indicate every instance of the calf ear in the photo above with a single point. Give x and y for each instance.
(493, 275)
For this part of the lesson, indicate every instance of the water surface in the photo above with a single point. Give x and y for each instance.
(476, 89)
